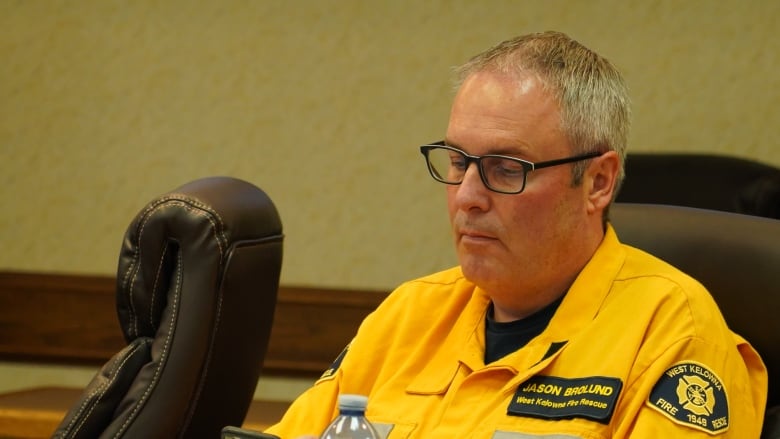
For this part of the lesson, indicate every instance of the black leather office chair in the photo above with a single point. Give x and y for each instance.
(196, 289)
(737, 257)
(707, 181)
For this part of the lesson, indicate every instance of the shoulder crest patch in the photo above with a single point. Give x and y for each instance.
(690, 394)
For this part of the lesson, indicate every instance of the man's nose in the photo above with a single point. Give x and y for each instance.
(472, 175)
(472, 193)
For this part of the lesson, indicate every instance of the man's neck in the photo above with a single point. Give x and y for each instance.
(503, 312)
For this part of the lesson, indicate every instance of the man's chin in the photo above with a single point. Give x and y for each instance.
(477, 269)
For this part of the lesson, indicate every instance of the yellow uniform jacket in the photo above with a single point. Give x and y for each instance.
(635, 349)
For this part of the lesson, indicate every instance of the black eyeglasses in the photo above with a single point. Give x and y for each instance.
(499, 173)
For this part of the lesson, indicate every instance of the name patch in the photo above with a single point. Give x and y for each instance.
(560, 398)
(690, 394)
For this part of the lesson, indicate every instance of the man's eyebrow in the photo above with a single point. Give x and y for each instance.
(510, 151)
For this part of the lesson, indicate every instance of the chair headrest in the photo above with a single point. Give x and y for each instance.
(193, 227)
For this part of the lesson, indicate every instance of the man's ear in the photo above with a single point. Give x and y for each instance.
(600, 179)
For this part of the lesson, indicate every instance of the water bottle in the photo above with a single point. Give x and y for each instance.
(351, 422)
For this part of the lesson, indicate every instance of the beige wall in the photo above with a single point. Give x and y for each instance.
(104, 105)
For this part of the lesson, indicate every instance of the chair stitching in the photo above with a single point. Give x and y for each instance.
(83, 407)
(218, 319)
(160, 264)
(146, 214)
(87, 400)
(163, 356)
(99, 390)
(135, 266)
(219, 232)
(154, 287)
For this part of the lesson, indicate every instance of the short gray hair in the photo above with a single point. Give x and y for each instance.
(591, 93)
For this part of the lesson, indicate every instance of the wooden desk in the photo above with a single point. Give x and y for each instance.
(35, 413)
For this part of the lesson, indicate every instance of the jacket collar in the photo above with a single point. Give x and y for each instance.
(465, 344)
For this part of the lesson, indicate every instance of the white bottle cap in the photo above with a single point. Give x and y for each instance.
(352, 402)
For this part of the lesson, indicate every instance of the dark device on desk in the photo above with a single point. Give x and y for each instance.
(231, 432)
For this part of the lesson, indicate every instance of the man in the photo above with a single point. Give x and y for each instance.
(549, 327)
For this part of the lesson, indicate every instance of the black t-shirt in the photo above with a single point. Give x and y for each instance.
(503, 338)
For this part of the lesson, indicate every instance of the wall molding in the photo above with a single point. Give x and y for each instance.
(71, 319)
